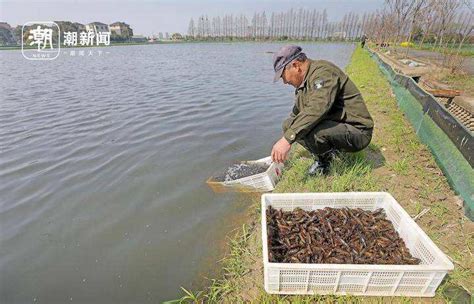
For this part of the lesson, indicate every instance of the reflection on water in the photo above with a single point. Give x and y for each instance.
(104, 158)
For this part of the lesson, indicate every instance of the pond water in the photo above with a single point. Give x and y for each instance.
(103, 162)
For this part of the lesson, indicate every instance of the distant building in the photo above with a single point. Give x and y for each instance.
(138, 38)
(5, 25)
(79, 26)
(97, 27)
(7, 34)
(121, 29)
(160, 35)
(155, 37)
(167, 36)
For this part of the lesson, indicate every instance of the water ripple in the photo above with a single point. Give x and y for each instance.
(103, 162)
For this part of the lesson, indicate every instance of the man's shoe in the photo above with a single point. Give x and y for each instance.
(321, 166)
(318, 168)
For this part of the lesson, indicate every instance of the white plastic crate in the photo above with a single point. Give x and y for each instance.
(262, 182)
(356, 279)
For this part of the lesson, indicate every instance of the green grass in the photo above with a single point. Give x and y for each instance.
(418, 207)
(466, 50)
(464, 83)
(349, 172)
(439, 209)
(400, 166)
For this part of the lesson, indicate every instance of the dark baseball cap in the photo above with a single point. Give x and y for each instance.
(284, 56)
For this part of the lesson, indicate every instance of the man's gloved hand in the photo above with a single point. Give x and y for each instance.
(280, 150)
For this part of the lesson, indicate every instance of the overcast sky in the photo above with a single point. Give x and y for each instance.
(151, 17)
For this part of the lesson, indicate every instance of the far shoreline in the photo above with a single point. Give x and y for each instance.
(18, 47)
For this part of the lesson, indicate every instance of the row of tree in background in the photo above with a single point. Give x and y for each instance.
(446, 25)
(398, 20)
(293, 24)
(434, 21)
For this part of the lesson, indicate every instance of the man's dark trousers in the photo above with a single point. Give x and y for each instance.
(328, 135)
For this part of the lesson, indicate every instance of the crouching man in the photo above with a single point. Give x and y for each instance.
(329, 114)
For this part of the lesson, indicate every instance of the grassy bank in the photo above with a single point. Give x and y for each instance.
(466, 50)
(396, 162)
